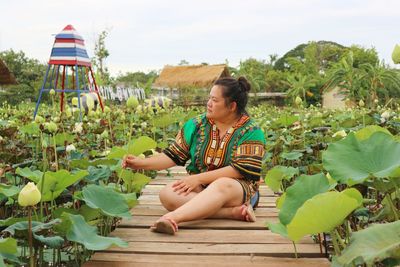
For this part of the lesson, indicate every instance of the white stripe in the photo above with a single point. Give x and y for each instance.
(70, 58)
(68, 45)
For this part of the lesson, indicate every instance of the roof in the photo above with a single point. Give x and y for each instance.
(69, 49)
(201, 76)
(6, 77)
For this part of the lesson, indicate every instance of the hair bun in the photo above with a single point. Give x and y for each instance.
(244, 84)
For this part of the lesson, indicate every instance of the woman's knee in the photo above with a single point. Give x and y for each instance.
(224, 184)
(168, 198)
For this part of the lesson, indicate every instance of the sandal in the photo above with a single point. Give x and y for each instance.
(165, 225)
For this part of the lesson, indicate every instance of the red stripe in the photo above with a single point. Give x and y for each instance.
(70, 62)
(69, 27)
(76, 41)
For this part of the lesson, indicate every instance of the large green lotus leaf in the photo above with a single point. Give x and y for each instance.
(26, 172)
(323, 213)
(8, 245)
(30, 129)
(141, 145)
(285, 120)
(140, 180)
(375, 243)
(96, 174)
(79, 164)
(366, 132)
(304, 188)
(275, 176)
(36, 226)
(61, 138)
(9, 190)
(86, 235)
(278, 228)
(117, 153)
(107, 200)
(163, 121)
(351, 161)
(50, 241)
(280, 200)
(56, 182)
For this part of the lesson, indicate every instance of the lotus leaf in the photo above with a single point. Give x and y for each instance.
(107, 200)
(8, 245)
(351, 161)
(275, 176)
(304, 188)
(278, 228)
(375, 243)
(366, 132)
(141, 145)
(56, 182)
(26, 172)
(316, 215)
(84, 234)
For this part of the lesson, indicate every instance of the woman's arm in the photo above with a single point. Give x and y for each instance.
(211, 176)
(157, 162)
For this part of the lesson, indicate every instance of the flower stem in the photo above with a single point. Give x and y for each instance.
(31, 259)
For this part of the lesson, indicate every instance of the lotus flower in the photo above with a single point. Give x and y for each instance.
(29, 195)
(132, 102)
(70, 148)
(396, 54)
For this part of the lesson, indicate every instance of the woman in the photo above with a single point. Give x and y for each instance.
(225, 149)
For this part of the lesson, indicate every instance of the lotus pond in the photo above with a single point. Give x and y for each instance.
(337, 174)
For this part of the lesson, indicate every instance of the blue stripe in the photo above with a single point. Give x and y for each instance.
(69, 52)
(68, 36)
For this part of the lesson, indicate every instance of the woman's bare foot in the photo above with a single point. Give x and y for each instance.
(243, 213)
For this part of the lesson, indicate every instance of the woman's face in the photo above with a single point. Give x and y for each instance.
(216, 105)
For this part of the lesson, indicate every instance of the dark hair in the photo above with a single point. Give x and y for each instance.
(235, 91)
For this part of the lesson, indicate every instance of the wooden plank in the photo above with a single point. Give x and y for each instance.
(147, 221)
(277, 250)
(158, 210)
(207, 236)
(139, 259)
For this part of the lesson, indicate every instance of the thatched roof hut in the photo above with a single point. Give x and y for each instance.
(6, 77)
(199, 76)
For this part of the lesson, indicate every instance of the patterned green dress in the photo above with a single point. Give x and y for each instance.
(242, 147)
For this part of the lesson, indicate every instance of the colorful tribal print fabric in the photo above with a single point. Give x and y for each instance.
(242, 147)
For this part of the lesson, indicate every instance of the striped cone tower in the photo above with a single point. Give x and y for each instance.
(69, 55)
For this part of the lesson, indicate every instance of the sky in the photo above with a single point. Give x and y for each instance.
(149, 34)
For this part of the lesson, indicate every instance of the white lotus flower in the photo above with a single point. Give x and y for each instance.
(70, 148)
(341, 133)
(29, 195)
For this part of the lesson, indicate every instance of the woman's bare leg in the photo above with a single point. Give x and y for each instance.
(171, 201)
(223, 192)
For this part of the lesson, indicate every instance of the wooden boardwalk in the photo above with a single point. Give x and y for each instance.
(211, 242)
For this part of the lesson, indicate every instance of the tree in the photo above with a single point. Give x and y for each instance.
(255, 71)
(299, 85)
(183, 62)
(100, 54)
(29, 74)
(380, 82)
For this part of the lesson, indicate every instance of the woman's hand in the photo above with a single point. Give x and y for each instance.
(133, 162)
(186, 185)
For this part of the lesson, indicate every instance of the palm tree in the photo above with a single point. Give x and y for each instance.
(345, 75)
(299, 84)
(379, 79)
